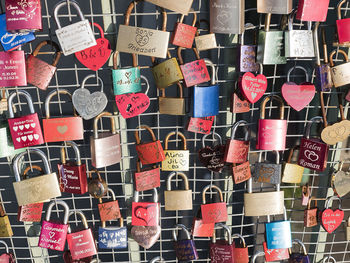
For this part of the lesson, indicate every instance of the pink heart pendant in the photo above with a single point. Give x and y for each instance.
(253, 87)
(298, 96)
(132, 104)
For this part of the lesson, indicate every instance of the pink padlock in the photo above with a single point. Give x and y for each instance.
(6, 257)
(343, 26)
(13, 69)
(272, 133)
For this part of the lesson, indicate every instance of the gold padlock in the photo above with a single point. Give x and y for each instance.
(3, 101)
(292, 173)
(176, 160)
(205, 42)
(171, 105)
(178, 199)
(5, 226)
(347, 226)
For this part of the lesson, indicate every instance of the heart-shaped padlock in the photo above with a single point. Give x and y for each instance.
(212, 157)
(253, 87)
(341, 181)
(331, 219)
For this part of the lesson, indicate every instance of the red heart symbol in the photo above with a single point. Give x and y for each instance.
(132, 104)
(253, 87)
(298, 96)
(212, 158)
(147, 214)
(331, 219)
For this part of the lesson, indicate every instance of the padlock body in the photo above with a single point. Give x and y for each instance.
(5, 227)
(14, 75)
(272, 135)
(180, 6)
(268, 173)
(292, 173)
(147, 179)
(105, 150)
(236, 151)
(240, 254)
(67, 257)
(72, 178)
(176, 160)
(312, 10)
(264, 203)
(7, 148)
(76, 37)
(200, 125)
(221, 252)
(167, 73)
(270, 48)
(37, 189)
(185, 250)
(275, 254)
(241, 173)
(195, 73)
(310, 217)
(171, 106)
(205, 42)
(214, 213)
(299, 44)
(22, 16)
(39, 73)
(151, 152)
(63, 129)
(112, 237)
(247, 55)
(109, 210)
(30, 213)
(239, 105)
(145, 214)
(323, 77)
(278, 235)
(200, 229)
(183, 35)
(343, 27)
(126, 80)
(178, 200)
(347, 229)
(341, 74)
(298, 257)
(313, 154)
(81, 244)
(53, 235)
(205, 101)
(282, 7)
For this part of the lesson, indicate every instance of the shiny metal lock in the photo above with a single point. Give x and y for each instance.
(221, 251)
(7, 148)
(247, 52)
(156, 259)
(5, 225)
(109, 210)
(214, 212)
(270, 45)
(147, 178)
(343, 27)
(298, 257)
(39, 72)
(180, 6)
(185, 249)
(280, 7)
(97, 187)
(278, 233)
(105, 146)
(311, 214)
(347, 229)
(292, 173)
(12, 76)
(53, 235)
(37, 189)
(176, 160)
(204, 42)
(183, 35)
(175, 200)
(240, 251)
(74, 37)
(272, 133)
(268, 172)
(61, 128)
(172, 105)
(312, 10)
(6, 257)
(227, 16)
(141, 41)
(112, 237)
(3, 101)
(298, 42)
(341, 181)
(340, 73)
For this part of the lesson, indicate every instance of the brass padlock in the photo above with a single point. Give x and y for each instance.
(292, 172)
(340, 73)
(3, 101)
(178, 199)
(176, 160)
(172, 105)
(5, 226)
(204, 42)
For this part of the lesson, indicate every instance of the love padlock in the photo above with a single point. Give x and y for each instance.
(113, 237)
(292, 173)
(221, 251)
(312, 10)
(343, 26)
(6, 257)
(176, 160)
(299, 257)
(278, 233)
(331, 219)
(311, 214)
(17, 73)
(97, 187)
(240, 251)
(265, 172)
(247, 52)
(200, 125)
(146, 178)
(183, 35)
(341, 181)
(340, 73)
(204, 42)
(185, 249)
(214, 212)
(109, 210)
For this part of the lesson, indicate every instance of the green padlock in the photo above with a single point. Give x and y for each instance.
(6, 145)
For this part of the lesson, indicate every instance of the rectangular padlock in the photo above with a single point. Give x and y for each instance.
(176, 160)
(12, 69)
(281, 7)
(180, 6)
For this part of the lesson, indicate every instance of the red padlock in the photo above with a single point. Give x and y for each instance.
(240, 251)
(275, 254)
(151, 152)
(312, 10)
(184, 35)
(214, 212)
(200, 229)
(109, 210)
(148, 178)
(12, 69)
(343, 26)
(221, 251)
(6, 257)
(67, 257)
(200, 125)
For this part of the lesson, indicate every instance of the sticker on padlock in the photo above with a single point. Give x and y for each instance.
(147, 178)
(331, 219)
(297, 256)
(176, 160)
(113, 237)
(6, 257)
(183, 35)
(265, 172)
(311, 214)
(213, 212)
(221, 251)
(292, 173)
(172, 105)
(110, 210)
(200, 125)
(185, 249)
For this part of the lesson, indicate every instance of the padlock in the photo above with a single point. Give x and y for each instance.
(281, 7)
(200, 229)
(72, 174)
(185, 249)
(97, 187)
(265, 172)
(30, 212)
(150, 152)
(200, 125)
(113, 237)
(329, 259)
(6, 257)
(142, 41)
(37, 189)
(227, 16)
(298, 43)
(347, 229)
(275, 254)
(241, 172)
(305, 195)
(298, 257)
(180, 6)
(256, 255)
(53, 235)
(5, 225)
(25, 130)
(81, 243)
(172, 105)
(183, 35)
(278, 233)
(270, 44)
(240, 251)
(110, 210)
(221, 251)
(176, 160)
(7, 149)
(340, 181)
(158, 259)
(237, 150)
(311, 214)
(206, 98)
(74, 37)
(23, 16)
(340, 73)
(247, 52)
(176, 200)
(147, 178)
(214, 212)
(194, 72)
(272, 133)
(331, 219)
(12, 76)
(39, 72)
(292, 172)
(105, 146)
(61, 128)
(313, 153)
(3, 101)
(204, 42)
(311, 10)
(343, 26)
(238, 103)
(67, 257)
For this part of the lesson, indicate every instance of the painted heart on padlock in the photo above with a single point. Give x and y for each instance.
(147, 214)
(342, 183)
(145, 236)
(298, 96)
(331, 220)
(87, 104)
(253, 87)
(213, 158)
(132, 104)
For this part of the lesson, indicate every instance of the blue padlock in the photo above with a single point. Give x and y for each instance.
(299, 257)
(206, 98)
(278, 233)
(113, 237)
(185, 249)
(11, 41)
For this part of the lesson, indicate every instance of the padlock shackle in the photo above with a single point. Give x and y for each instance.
(274, 151)
(301, 244)
(214, 134)
(18, 93)
(247, 26)
(179, 134)
(194, 18)
(328, 258)
(340, 4)
(295, 68)
(52, 44)
(89, 77)
(209, 63)
(82, 217)
(156, 259)
(213, 187)
(235, 127)
(291, 21)
(179, 88)
(182, 175)
(121, 222)
(6, 246)
(331, 55)
(179, 55)
(109, 190)
(76, 152)
(263, 105)
(309, 202)
(313, 120)
(65, 208)
(155, 195)
(20, 156)
(116, 57)
(29, 168)
(98, 117)
(63, 3)
(291, 152)
(267, 21)
(331, 198)
(241, 238)
(198, 23)
(226, 229)
(51, 95)
(182, 227)
(316, 43)
(147, 83)
(256, 255)
(143, 127)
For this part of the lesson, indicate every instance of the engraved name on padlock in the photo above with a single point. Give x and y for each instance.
(176, 160)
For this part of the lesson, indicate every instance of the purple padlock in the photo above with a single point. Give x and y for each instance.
(247, 54)
(185, 249)
(299, 257)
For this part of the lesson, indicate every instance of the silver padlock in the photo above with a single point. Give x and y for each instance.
(340, 73)
(281, 7)
(75, 37)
